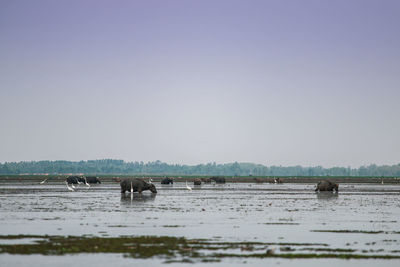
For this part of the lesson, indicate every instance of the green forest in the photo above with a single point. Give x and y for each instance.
(112, 166)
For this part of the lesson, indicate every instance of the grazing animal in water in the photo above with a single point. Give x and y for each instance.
(86, 183)
(276, 180)
(75, 179)
(93, 180)
(218, 180)
(68, 187)
(136, 185)
(197, 181)
(188, 187)
(327, 186)
(167, 180)
(206, 180)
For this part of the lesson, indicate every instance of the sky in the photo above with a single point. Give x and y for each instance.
(312, 82)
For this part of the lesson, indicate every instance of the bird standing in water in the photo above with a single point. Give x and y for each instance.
(188, 187)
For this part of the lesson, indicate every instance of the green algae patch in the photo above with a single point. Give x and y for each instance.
(341, 250)
(172, 249)
(354, 232)
(138, 247)
(306, 256)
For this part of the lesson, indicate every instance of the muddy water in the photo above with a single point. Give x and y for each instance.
(362, 218)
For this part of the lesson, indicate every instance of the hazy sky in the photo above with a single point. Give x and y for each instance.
(271, 82)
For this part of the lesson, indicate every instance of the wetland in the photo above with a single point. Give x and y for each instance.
(219, 224)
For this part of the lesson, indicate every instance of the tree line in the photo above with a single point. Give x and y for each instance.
(112, 166)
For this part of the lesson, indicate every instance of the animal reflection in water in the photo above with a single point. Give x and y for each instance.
(327, 195)
(137, 198)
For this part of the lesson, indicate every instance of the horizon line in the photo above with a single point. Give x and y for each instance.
(211, 162)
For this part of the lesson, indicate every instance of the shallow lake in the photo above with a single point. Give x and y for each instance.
(361, 219)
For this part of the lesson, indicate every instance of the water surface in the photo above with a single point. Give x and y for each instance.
(363, 218)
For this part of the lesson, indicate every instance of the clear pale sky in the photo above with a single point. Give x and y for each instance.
(270, 82)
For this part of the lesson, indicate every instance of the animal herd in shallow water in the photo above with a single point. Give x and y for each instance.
(139, 185)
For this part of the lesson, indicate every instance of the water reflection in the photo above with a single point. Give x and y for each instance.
(327, 195)
(137, 198)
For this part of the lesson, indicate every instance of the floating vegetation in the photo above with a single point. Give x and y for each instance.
(330, 249)
(356, 232)
(279, 223)
(172, 249)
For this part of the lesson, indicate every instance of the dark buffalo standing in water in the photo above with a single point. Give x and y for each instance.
(167, 180)
(327, 186)
(206, 180)
(277, 181)
(93, 180)
(75, 180)
(218, 180)
(137, 185)
(197, 181)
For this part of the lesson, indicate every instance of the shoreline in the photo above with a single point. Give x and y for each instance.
(229, 179)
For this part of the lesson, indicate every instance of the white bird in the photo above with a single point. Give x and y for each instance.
(42, 182)
(150, 181)
(69, 188)
(131, 188)
(86, 183)
(188, 187)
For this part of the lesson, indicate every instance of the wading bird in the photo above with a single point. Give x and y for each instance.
(188, 187)
(131, 188)
(42, 182)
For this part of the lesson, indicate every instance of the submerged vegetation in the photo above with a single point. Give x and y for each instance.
(173, 249)
(355, 232)
(110, 166)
